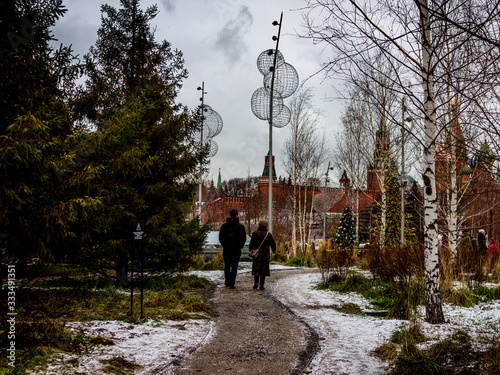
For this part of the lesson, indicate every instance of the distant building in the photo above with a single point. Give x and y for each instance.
(253, 208)
(477, 181)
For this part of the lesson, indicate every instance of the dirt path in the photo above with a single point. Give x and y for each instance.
(254, 334)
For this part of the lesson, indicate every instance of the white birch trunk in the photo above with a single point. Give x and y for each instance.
(294, 221)
(383, 210)
(453, 202)
(310, 218)
(433, 308)
(357, 216)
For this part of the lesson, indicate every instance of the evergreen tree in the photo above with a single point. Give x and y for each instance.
(144, 145)
(346, 233)
(393, 215)
(126, 62)
(34, 129)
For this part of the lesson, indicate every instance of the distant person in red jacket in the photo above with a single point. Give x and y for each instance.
(494, 253)
(493, 249)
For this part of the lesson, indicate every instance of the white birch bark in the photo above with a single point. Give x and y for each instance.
(433, 308)
(453, 201)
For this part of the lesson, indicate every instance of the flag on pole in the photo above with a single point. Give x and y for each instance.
(219, 181)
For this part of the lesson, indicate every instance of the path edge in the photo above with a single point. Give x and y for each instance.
(312, 340)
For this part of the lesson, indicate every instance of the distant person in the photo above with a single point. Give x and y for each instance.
(232, 237)
(481, 241)
(494, 254)
(493, 249)
(260, 266)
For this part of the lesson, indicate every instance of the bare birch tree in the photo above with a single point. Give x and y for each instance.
(305, 153)
(350, 156)
(411, 34)
(366, 142)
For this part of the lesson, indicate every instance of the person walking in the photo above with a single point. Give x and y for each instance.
(481, 241)
(262, 239)
(232, 237)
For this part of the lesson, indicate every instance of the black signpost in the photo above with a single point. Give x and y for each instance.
(138, 235)
(138, 230)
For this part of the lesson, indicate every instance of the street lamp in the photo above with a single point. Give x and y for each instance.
(211, 126)
(202, 88)
(324, 202)
(273, 70)
(267, 102)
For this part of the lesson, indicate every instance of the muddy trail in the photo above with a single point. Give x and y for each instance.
(254, 334)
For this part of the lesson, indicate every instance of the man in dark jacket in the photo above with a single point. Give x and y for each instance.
(232, 237)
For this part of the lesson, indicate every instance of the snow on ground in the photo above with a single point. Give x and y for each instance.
(349, 339)
(346, 340)
(150, 345)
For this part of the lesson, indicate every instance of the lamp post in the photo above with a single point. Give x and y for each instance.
(202, 88)
(273, 69)
(266, 100)
(324, 203)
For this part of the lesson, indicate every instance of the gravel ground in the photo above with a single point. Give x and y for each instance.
(254, 334)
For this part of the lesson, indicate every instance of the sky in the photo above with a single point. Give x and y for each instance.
(220, 41)
(347, 341)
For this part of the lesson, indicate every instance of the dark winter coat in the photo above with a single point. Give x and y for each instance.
(232, 237)
(260, 265)
(481, 241)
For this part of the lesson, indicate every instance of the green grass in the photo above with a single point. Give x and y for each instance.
(484, 294)
(67, 281)
(350, 308)
(300, 261)
(400, 300)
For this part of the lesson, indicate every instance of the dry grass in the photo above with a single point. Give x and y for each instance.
(119, 366)
(387, 351)
(101, 340)
(454, 355)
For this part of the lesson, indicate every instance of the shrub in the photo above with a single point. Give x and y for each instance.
(470, 262)
(460, 297)
(334, 261)
(215, 263)
(396, 263)
(280, 256)
(409, 297)
(302, 259)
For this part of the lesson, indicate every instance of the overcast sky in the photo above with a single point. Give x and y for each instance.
(221, 40)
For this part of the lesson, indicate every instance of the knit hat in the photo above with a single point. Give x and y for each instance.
(263, 223)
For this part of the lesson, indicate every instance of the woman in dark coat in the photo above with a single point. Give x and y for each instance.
(260, 265)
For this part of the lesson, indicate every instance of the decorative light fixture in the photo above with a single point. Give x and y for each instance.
(211, 126)
(280, 81)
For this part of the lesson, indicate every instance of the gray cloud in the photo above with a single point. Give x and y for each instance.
(230, 40)
(169, 5)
